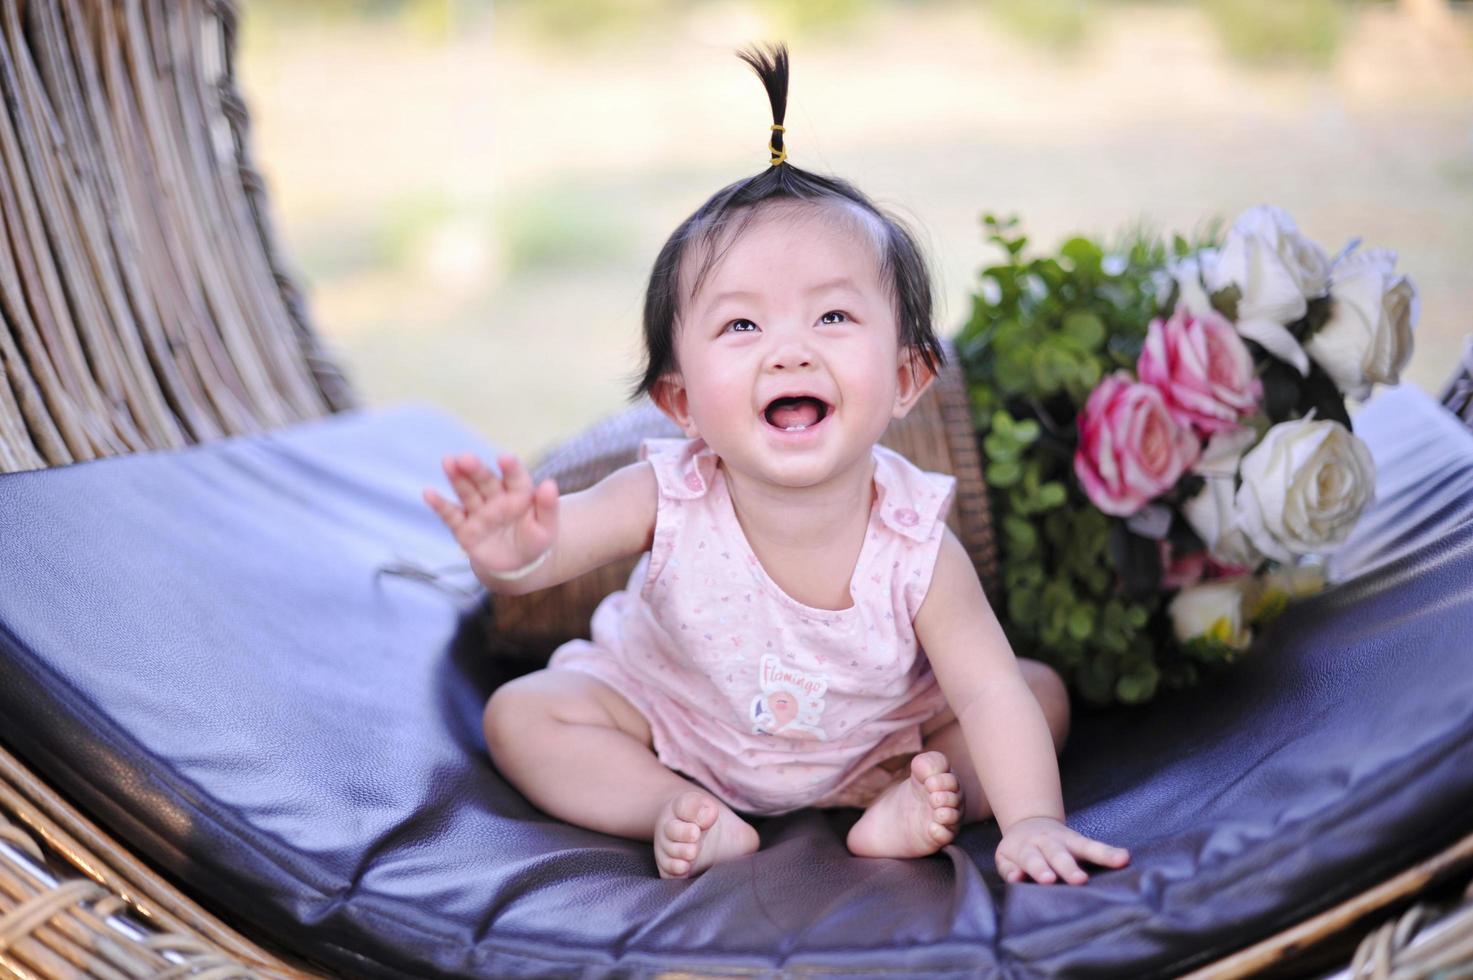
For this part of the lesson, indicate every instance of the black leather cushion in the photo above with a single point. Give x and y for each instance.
(196, 647)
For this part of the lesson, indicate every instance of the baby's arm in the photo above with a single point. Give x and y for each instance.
(506, 525)
(1004, 727)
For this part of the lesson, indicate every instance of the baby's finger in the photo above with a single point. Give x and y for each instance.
(544, 503)
(1037, 866)
(1098, 852)
(452, 515)
(456, 468)
(486, 482)
(1063, 862)
(1008, 871)
(515, 475)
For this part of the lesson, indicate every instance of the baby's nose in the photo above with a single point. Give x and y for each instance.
(790, 355)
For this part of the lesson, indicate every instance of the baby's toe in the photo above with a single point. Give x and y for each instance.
(683, 852)
(928, 764)
(682, 831)
(940, 799)
(946, 816)
(943, 833)
(673, 868)
(943, 782)
(696, 808)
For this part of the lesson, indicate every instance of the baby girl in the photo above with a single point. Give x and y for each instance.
(802, 629)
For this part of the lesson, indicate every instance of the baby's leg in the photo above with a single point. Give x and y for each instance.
(582, 753)
(920, 812)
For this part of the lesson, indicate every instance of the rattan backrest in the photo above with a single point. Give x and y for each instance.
(144, 302)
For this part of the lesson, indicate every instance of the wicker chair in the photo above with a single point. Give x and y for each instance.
(146, 306)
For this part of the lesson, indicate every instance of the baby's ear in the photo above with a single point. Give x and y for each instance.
(670, 396)
(913, 377)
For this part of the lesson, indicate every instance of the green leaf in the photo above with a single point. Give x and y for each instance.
(1225, 301)
(1054, 275)
(999, 447)
(1059, 529)
(1090, 375)
(1051, 494)
(1023, 606)
(1084, 254)
(1024, 574)
(1081, 622)
(983, 401)
(1085, 329)
(1004, 473)
(1096, 681)
(1020, 533)
(1138, 686)
(1050, 368)
(1014, 370)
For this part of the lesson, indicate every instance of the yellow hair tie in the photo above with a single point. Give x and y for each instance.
(778, 156)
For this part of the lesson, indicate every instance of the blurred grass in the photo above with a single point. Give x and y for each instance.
(560, 226)
(384, 238)
(1059, 26)
(1255, 32)
(549, 228)
(1269, 33)
(421, 20)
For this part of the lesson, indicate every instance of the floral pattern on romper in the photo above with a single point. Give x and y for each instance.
(771, 704)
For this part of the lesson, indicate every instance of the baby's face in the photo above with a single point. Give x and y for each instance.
(789, 354)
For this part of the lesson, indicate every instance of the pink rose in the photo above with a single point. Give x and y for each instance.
(1130, 448)
(1202, 367)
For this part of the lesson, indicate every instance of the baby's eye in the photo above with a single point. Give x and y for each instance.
(842, 316)
(741, 326)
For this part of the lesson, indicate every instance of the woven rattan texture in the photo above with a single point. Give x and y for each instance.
(937, 435)
(144, 303)
(66, 911)
(1458, 393)
(1428, 941)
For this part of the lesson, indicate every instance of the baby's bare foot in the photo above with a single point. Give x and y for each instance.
(695, 831)
(913, 817)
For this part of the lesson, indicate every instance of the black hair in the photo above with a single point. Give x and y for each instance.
(902, 265)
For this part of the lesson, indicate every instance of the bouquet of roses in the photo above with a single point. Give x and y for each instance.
(1198, 402)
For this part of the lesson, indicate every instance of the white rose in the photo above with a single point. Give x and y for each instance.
(1368, 338)
(1277, 271)
(1304, 487)
(1189, 273)
(1213, 609)
(1211, 512)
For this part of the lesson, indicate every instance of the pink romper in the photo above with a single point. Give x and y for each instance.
(771, 704)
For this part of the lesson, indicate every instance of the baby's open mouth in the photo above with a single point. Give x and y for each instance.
(796, 413)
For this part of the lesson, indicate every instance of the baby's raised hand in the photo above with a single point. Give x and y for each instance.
(503, 523)
(1044, 848)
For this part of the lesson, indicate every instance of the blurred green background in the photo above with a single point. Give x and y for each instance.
(475, 191)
